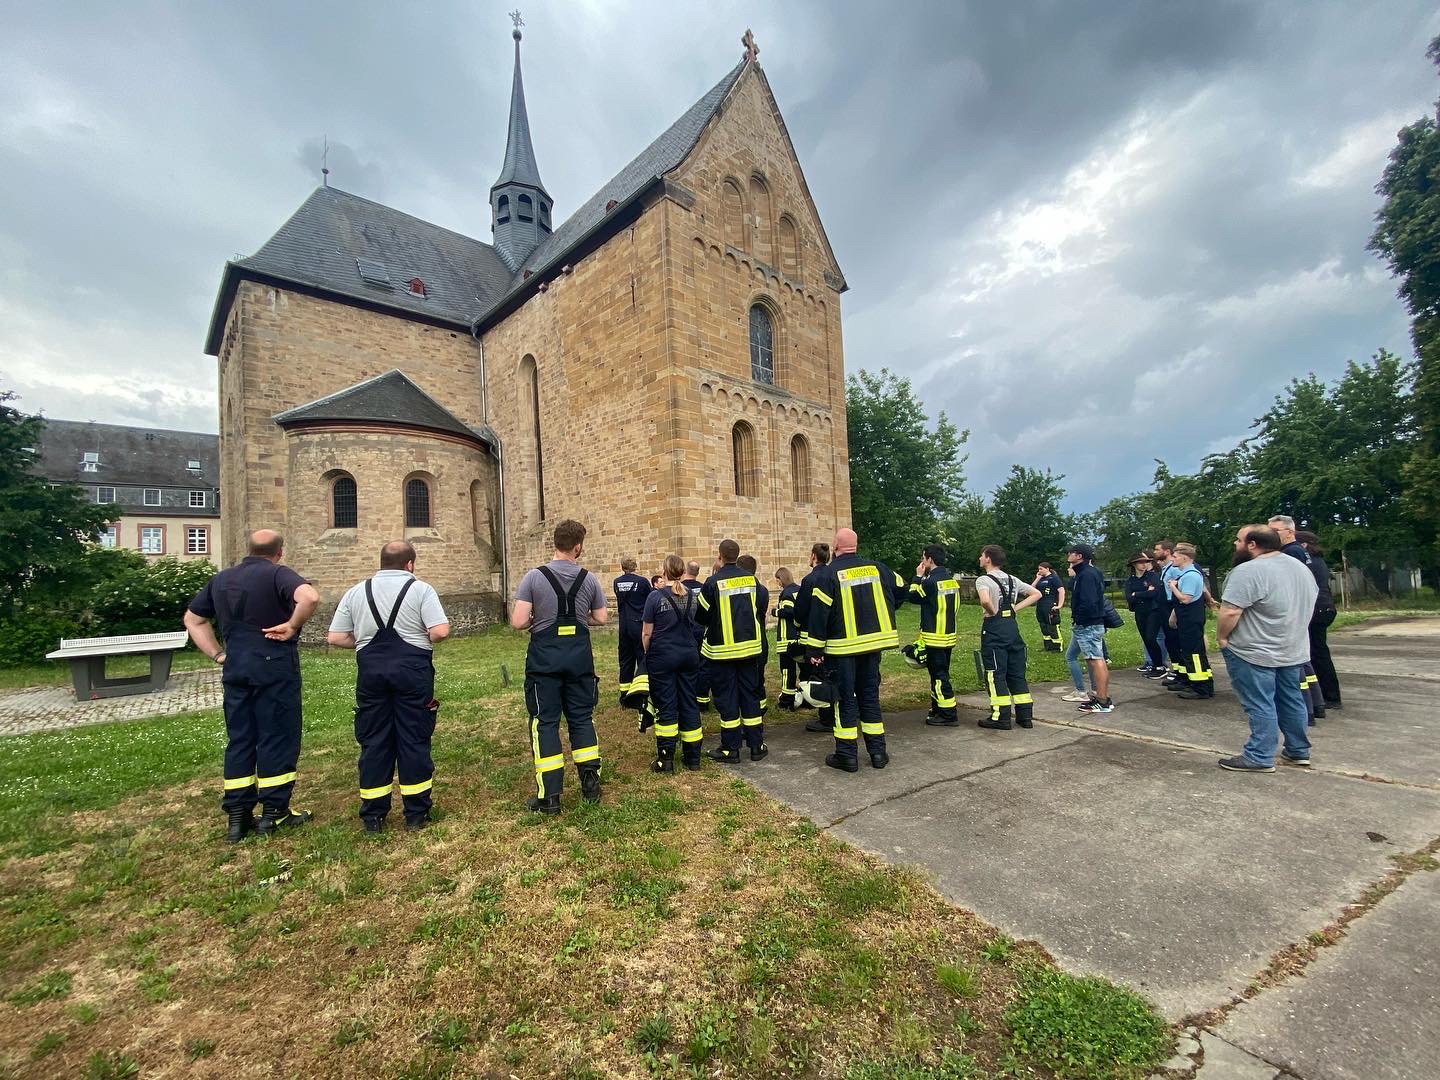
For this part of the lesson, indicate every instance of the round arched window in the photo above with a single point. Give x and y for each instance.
(417, 503)
(762, 345)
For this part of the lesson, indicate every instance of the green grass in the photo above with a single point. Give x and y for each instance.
(57, 672)
(1086, 1029)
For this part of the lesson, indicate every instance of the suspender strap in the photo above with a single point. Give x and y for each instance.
(388, 624)
(1007, 599)
(565, 599)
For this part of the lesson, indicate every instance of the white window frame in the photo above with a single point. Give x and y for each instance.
(90, 457)
(99, 497)
(110, 537)
(159, 530)
(204, 500)
(158, 497)
(192, 464)
(194, 533)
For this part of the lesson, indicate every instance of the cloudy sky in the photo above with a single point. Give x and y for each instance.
(1092, 233)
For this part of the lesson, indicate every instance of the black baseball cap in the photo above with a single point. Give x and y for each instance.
(1085, 551)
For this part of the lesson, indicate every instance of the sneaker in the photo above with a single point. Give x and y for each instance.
(1098, 706)
(1144, 669)
(1157, 674)
(1076, 695)
(1240, 763)
(1298, 762)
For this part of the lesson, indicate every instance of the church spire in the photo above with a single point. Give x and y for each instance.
(519, 203)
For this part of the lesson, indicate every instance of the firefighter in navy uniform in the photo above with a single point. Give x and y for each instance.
(1309, 682)
(852, 620)
(729, 611)
(1047, 610)
(762, 613)
(703, 698)
(1002, 650)
(630, 592)
(825, 716)
(937, 592)
(392, 622)
(787, 638)
(555, 602)
(261, 605)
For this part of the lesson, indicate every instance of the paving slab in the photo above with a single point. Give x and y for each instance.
(54, 708)
(1367, 1008)
(1225, 1062)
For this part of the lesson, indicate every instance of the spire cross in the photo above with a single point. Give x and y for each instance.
(516, 19)
(751, 49)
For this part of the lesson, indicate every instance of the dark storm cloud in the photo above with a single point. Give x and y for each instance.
(1059, 219)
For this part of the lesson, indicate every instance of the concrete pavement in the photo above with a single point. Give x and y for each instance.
(1117, 843)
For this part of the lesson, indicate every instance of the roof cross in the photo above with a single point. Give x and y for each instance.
(516, 19)
(751, 49)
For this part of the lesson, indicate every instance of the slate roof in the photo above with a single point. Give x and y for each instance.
(390, 398)
(466, 281)
(144, 457)
(519, 167)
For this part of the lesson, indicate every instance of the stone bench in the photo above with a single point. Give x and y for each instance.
(87, 658)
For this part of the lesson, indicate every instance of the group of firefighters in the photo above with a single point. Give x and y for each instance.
(685, 645)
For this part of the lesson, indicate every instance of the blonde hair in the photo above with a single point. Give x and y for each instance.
(783, 575)
(674, 571)
(1185, 549)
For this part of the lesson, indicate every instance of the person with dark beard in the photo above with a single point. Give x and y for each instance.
(1320, 622)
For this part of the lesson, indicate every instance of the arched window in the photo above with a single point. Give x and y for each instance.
(529, 394)
(788, 255)
(734, 210)
(344, 503)
(417, 503)
(800, 469)
(502, 209)
(742, 446)
(762, 345)
(525, 209)
(760, 216)
(544, 215)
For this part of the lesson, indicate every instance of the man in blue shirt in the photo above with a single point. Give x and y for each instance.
(1187, 591)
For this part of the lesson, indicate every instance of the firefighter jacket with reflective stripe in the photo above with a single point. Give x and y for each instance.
(787, 633)
(803, 597)
(730, 603)
(852, 607)
(938, 594)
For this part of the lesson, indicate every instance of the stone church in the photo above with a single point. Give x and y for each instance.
(665, 366)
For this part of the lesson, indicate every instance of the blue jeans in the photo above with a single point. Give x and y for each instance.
(1086, 641)
(1274, 705)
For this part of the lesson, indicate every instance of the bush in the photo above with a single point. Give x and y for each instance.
(28, 635)
(148, 598)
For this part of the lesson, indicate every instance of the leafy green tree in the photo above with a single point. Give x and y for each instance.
(1026, 519)
(1407, 236)
(904, 476)
(965, 531)
(44, 531)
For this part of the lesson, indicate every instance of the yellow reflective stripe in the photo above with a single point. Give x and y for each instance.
(692, 735)
(847, 613)
(752, 721)
(845, 732)
(667, 731)
(917, 588)
(585, 753)
(728, 724)
(1001, 699)
(624, 687)
(1023, 699)
(235, 783)
(274, 781)
(872, 727)
(375, 792)
(535, 750)
(700, 596)
(884, 639)
(550, 764)
(641, 682)
(565, 631)
(822, 596)
(945, 702)
(1008, 613)
(738, 651)
(939, 640)
(416, 789)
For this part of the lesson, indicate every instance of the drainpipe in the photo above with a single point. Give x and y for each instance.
(500, 468)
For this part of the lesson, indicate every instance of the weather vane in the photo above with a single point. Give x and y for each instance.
(751, 49)
(516, 19)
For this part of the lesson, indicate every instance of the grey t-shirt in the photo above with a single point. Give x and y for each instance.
(545, 605)
(1275, 595)
(420, 611)
(1013, 585)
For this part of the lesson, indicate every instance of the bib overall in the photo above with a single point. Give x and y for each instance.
(672, 661)
(560, 678)
(261, 684)
(395, 711)
(1002, 655)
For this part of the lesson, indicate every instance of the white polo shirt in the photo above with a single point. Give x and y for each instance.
(420, 611)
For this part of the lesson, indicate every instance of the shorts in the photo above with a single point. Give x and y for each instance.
(1089, 641)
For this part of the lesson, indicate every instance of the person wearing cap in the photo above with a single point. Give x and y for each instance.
(1187, 591)
(1087, 629)
(1143, 590)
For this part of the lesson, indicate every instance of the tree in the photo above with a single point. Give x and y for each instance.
(1026, 519)
(44, 530)
(904, 478)
(967, 529)
(1407, 236)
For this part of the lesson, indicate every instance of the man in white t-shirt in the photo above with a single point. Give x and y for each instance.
(391, 621)
(1263, 633)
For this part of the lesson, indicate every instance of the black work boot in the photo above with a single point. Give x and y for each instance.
(373, 825)
(759, 753)
(1025, 720)
(879, 758)
(722, 755)
(938, 720)
(589, 781)
(835, 761)
(664, 761)
(691, 759)
(996, 725)
(547, 804)
(240, 823)
(273, 820)
(819, 725)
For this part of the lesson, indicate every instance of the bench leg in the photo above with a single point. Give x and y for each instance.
(85, 675)
(160, 669)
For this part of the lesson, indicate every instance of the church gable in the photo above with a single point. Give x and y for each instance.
(751, 191)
